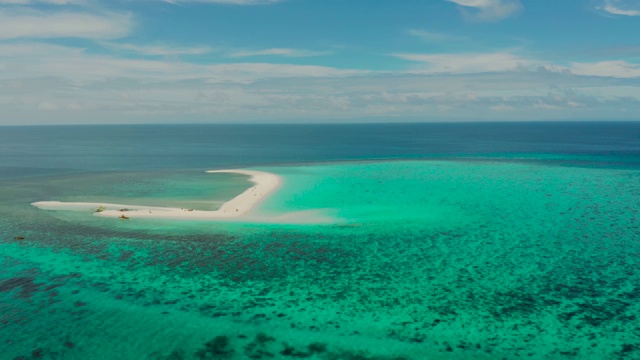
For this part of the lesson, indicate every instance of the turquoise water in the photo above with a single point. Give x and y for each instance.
(533, 256)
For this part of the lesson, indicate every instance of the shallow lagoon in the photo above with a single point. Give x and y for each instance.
(450, 259)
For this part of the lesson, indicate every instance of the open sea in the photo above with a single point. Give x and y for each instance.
(442, 241)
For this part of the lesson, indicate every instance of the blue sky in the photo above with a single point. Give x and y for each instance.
(200, 61)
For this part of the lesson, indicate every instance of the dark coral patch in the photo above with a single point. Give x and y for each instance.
(27, 285)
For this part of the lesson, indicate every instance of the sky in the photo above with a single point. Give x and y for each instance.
(309, 61)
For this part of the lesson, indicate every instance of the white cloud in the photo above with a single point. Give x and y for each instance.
(468, 63)
(278, 52)
(501, 108)
(541, 105)
(421, 97)
(489, 10)
(36, 24)
(615, 69)
(46, 105)
(38, 59)
(158, 50)
(507, 62)
(228, 2)
(430, 36)
(48, 2)
(617, 7)
(47, 83)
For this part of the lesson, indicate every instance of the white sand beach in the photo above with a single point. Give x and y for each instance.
(264, 184)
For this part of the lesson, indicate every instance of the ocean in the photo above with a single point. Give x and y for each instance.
(439, 241)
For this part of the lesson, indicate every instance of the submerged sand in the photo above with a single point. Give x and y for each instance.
(265, 183)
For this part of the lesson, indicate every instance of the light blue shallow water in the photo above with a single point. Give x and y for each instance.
(432, 255)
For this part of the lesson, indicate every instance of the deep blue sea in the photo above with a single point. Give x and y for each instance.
(446, 241)
(148, 147)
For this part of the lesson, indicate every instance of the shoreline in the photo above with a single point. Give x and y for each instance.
(264, 184)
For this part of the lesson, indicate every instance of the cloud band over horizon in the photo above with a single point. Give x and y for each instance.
(86, 62)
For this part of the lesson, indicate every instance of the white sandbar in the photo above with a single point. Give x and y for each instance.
(264, 184)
